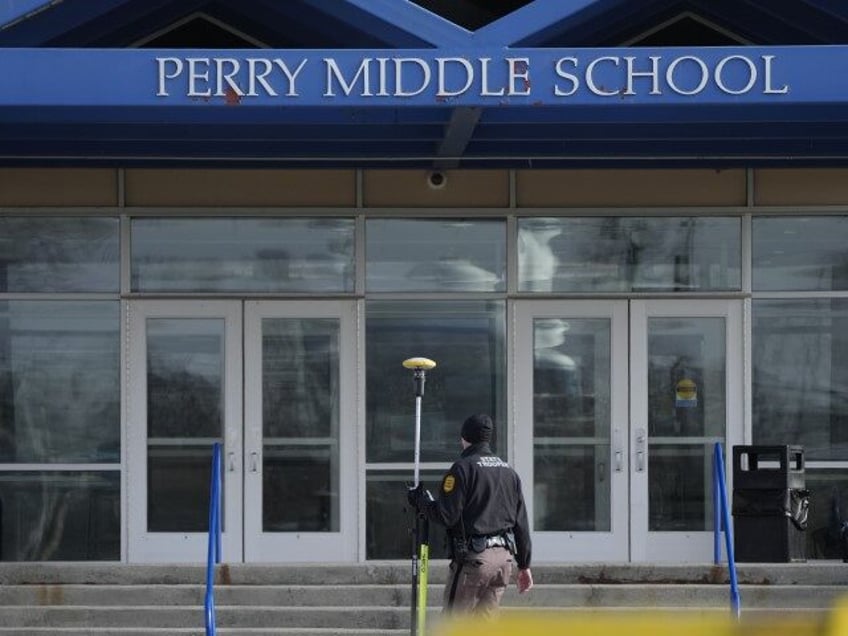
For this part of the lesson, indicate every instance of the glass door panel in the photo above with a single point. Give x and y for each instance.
(300, 412)
(184, 383)
(574, 465)
(686, 396)
(618, 406)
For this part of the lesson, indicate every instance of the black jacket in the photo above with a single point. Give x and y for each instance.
(481, 495)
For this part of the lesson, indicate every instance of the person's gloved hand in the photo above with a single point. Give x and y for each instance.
(413, 495)
(418, 498)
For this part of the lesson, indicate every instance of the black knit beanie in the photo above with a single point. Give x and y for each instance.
(477, 428)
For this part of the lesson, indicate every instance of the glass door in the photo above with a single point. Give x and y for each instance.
(184, 380)
(686, 395)
(274, 382)
(619, 405)
(571, 427)
(300, 431)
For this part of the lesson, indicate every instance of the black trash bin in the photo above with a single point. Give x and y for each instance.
(770, 504)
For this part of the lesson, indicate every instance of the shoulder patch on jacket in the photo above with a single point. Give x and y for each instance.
(448, 484)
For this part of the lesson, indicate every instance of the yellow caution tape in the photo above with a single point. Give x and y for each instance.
(837, 622)
(580, 622)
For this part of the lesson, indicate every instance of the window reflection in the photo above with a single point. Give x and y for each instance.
(466, 339)
(300, 425)
(388, 518)
(242, 255)
(800, 253)
(571, 423)
(46, 254)
(178, 488)
(435, 255)
(60, 516)
(185, 370)
(59, 381)
(619, 254)
(185, 406)
(687, 383)
(800, 375)
(828, 509)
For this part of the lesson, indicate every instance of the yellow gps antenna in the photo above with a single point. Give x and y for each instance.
(421, 532)
(420, 366)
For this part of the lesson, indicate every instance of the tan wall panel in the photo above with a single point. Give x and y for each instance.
(411, 188)
(629, 188)
(58, 187)
(247, 188)
(801, 186)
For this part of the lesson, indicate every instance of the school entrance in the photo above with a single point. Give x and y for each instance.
(618, 406)
(275, 381)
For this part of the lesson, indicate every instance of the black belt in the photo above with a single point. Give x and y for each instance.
(497, 541)
(478, 543)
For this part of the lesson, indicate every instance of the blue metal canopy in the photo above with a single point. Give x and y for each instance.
(391, 83)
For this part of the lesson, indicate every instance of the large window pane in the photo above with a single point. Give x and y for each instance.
(800, 253)
(185, 406)
(300, 425)
(178, 487)
(622, 254)
(60, 516)
(828, 508)
(242, 255)
(571, 423)
(800, 375)
(389, 519)
(687, 382)
(59, 381)
(436, 255)
(57, 254)
(466, 339)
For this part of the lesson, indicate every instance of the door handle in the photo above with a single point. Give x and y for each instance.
(254, 463)
(231, 462)
(641, 443)
(618, 453)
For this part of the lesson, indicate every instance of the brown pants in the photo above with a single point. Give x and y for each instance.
(478, 583)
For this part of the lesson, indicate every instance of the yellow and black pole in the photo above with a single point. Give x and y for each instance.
(421, 531)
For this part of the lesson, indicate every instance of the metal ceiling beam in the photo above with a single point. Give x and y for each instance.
(458, 134)
(400, 24)
(536, 22)
(14, 11)
(835, 8)
(61, 18)
(403, 18)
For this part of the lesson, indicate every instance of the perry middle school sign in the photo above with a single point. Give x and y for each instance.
(558, 77)
(375, 77)
(486, 105)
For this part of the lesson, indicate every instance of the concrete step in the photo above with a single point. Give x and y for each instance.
(373, 598)
(393, 572)
(227, 616)
(543, 595)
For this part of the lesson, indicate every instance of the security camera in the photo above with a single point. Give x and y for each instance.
(437, 180)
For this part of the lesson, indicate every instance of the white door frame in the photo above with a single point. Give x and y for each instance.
(186, 547)
(242, 537)
(267, 547)
(629, 538)
(687, 546)
(611, 545)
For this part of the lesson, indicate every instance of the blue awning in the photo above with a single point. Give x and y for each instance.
(420, 92)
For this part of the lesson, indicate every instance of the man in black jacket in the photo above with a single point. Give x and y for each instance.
(481, 505)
